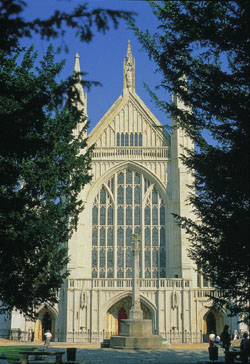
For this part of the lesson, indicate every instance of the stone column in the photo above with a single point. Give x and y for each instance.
(136, 312)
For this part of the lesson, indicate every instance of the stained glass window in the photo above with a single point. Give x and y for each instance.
(128, 236)
(103, 196)
(122, 139)
(120, 216)
(128, 258)
(110, 258)
(102, 236)
(120, 178)
(136, 139)
(147, 236)
(154, 196)
(102, 216)
(118, 139)
(155, 216)
(102, 273)
(120, 237)
(120, 273)
(120, 195)
(137, 216)
(128, 195)
(95, 215)
(155, 237)
(162, 236)
(147, 215)
(162, 215)
(94, 236)
(131, 139)
(102, 258)
(140, 139)
(137, 179)
(110, 273)
(110, 236)
(147, 258)
(126, 139)
(129, 216)
(110, 215)
(128, 273)
(129, 177)
(162, 258)
(137, 198)
(120, 257)
(94, 258)
(155, 258)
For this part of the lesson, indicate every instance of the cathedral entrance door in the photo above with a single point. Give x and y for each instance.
(122, 315)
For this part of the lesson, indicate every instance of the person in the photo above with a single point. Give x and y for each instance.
(48, 337)
(235, 334)
(211, 339)
(225, 338)
(245, 348)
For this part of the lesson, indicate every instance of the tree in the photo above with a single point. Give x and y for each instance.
(202, 50)
(42, 173)
(43, 164)
(13, 26)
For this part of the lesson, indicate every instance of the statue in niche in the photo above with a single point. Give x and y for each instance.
(129, 75)
(174, 300)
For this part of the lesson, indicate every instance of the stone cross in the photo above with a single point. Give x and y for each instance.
(136, 312)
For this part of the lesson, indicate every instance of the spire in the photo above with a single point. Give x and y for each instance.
(82, 102)
(128, 72)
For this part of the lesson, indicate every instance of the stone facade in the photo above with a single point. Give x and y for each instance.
(138, 182)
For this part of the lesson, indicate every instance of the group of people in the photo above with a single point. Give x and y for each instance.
(224, 340)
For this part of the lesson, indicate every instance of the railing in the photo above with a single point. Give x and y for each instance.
(157, 153)
(126, 283)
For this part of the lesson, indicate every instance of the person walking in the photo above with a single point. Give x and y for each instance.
(48, 337)
(225, 338)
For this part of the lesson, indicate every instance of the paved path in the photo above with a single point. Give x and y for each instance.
(171, 356)
(92, 354)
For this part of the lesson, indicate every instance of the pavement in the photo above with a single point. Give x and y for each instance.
(93, 354)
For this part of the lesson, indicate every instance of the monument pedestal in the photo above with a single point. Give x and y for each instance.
(136, 334)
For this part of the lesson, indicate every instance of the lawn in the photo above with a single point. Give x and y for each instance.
(12, 352)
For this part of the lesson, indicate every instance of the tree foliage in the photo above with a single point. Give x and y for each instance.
(42, 173)
(43, 164)
(202, 50)
(82, 20)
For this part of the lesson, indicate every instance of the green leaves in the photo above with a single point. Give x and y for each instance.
(42, 172)
(202, 51)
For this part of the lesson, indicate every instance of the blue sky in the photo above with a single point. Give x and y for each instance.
(103, 58)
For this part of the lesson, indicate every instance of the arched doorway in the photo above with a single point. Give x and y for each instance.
(212, 321)
(120, 310)
(122, 315)
(45, 321)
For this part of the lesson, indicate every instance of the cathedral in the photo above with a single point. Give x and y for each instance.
(139, 182)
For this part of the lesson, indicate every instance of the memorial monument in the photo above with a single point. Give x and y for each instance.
(136, 333)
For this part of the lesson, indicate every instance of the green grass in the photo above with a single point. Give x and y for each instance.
(12, 352)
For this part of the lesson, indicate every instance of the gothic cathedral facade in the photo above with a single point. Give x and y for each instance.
(138, 183)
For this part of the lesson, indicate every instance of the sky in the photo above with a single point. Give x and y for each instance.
(102, 58)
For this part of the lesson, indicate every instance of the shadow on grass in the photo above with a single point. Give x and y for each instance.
(12, 352)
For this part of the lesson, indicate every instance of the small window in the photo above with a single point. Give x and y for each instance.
(136, 139)
(122, 140)
(140, 139)
(118, 141)
(126, 140)
(131, 139)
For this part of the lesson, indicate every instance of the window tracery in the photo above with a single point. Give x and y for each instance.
(112, 238)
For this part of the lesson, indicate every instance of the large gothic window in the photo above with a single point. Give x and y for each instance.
(128, 203)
